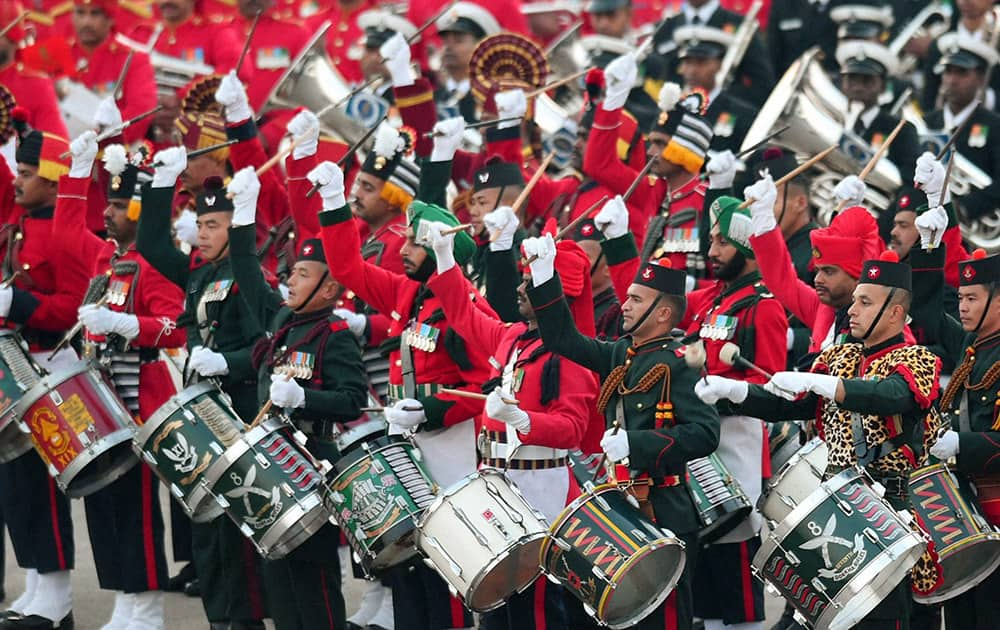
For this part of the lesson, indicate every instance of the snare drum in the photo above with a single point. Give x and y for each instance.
(839, 553)
(271, 487)
(967, 547)
(353, 437)
(18, 374)
(796, 480)
(183, 438)
(785, 439)
(80, 429)
(611, 557)
(718, 497)
(483, 538)
(376, 495)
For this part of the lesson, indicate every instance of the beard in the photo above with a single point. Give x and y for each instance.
(732, 269)
(424, 272)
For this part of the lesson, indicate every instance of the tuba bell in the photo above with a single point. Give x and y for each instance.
(313, 82)
(812, 107)
(933, 21)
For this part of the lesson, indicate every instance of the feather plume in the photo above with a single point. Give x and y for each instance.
(115, 159)
(670, 93)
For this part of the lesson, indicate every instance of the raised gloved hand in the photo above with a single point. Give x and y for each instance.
(396, 57)
(233, 98)
(286, 393)
(931, 226)
(406, 414)
(84, 152)
(447, 138)
(245, 188)
(501, 225)
(619, 77)
(721, 169)
(764, 194)
(304, 128)
(929, 177)
(433, 234)
(356, 322)
(612, 220)
(107, 115)
(507, 413)
(615, 444)
(510, 104)
(712, 389)
(208, 362)
(850, 190)
(100, 320)
(186, 228)
(542, 253)
(946, 446)
(791, 385)
(331, 184)
(172, 163)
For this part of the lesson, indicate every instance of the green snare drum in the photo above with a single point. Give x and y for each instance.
(839, 553)
(182, 439)
(376, 494)
(718, 497)
(611, 557)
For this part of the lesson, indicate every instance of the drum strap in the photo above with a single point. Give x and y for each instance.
(964, 422)
(406, 363)
(867, 455)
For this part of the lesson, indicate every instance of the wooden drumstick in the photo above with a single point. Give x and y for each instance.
(556, 84)
(801, 168)
(569, 227)
(77, 327)
(246, 43)
(464, 227)
(10, 279)
(277, 157)
(461, 393)
(344, 159)
(874, 160)
(523, 197)
(13, 23)
(117, 129)
(116, 90)
(477, 125)
(267, 406)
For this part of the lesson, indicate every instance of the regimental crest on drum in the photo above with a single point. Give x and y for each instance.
(52, 437)
(372, 506)
(257, 514)
(853, 553)
(184, 456)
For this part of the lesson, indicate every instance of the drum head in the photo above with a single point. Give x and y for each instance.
(513, 571)
(640, 586)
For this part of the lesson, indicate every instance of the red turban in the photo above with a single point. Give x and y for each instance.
(573, 267)
(10, 11)
(110, 7)
(851, 239)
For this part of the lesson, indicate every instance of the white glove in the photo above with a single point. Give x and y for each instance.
(850, 190)
(84, 151)
(931, 226)
(186, 228)
(511, 415)
(712, 389)
(356, 322)
(286, 393)
(442, 244)
(791, 385)
(612, 220)
(108, 115)
(619, 77)
(100, 320)
(208, 362)
(929, 177)
(450, 138)
(233, 98)
(501, 224)
(6, 297)
(615, 444)
(543, 250)
(721, 169)
(510, 104)
(946, 446)
(304, 127)
(396, 58)
(400, 417)
(172, 163)
(331, 184)
(764, 194)
(244, 187)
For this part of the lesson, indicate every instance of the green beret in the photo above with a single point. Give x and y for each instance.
(733, 222)
(420, 211)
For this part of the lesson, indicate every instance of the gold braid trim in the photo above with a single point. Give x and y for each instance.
(613, 384)
(610, 386)
(960, 376)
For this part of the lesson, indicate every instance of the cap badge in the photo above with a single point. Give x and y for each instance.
(874, 273)
(647, 274)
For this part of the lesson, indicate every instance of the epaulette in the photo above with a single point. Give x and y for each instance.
(338, 325)
(141, 9)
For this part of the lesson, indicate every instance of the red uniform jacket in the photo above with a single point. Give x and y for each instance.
(344, 32)
(34, 91)
(153, 299)
(197, 40)
(396, 294)
(275, 44)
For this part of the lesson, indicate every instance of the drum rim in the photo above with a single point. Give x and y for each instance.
(274, 546)
(661, 595)
(48, 383)
(775, 480)
(830, 487)
(339, 440)
(177, 402)
(246, 440)
(109, 475)
(946, 591)
(381, 443)
(492, 565)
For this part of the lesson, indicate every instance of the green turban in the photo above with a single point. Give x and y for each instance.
(734, 223)
(420, 211)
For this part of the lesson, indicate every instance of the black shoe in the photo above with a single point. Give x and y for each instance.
(36, 622)
(193, 588)
(176, 584)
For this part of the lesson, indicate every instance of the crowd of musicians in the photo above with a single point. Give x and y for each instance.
(632, 325)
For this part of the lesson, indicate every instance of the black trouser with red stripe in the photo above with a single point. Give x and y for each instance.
(725, 568)
(421, 600)
(38, 515)
(541, 605)
(126, 533)
(229, 571)
(303, 588)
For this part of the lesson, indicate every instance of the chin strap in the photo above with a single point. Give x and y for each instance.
(885, 305)
(986, 309)
(645, 315)
(222, 251)
(312, 293)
